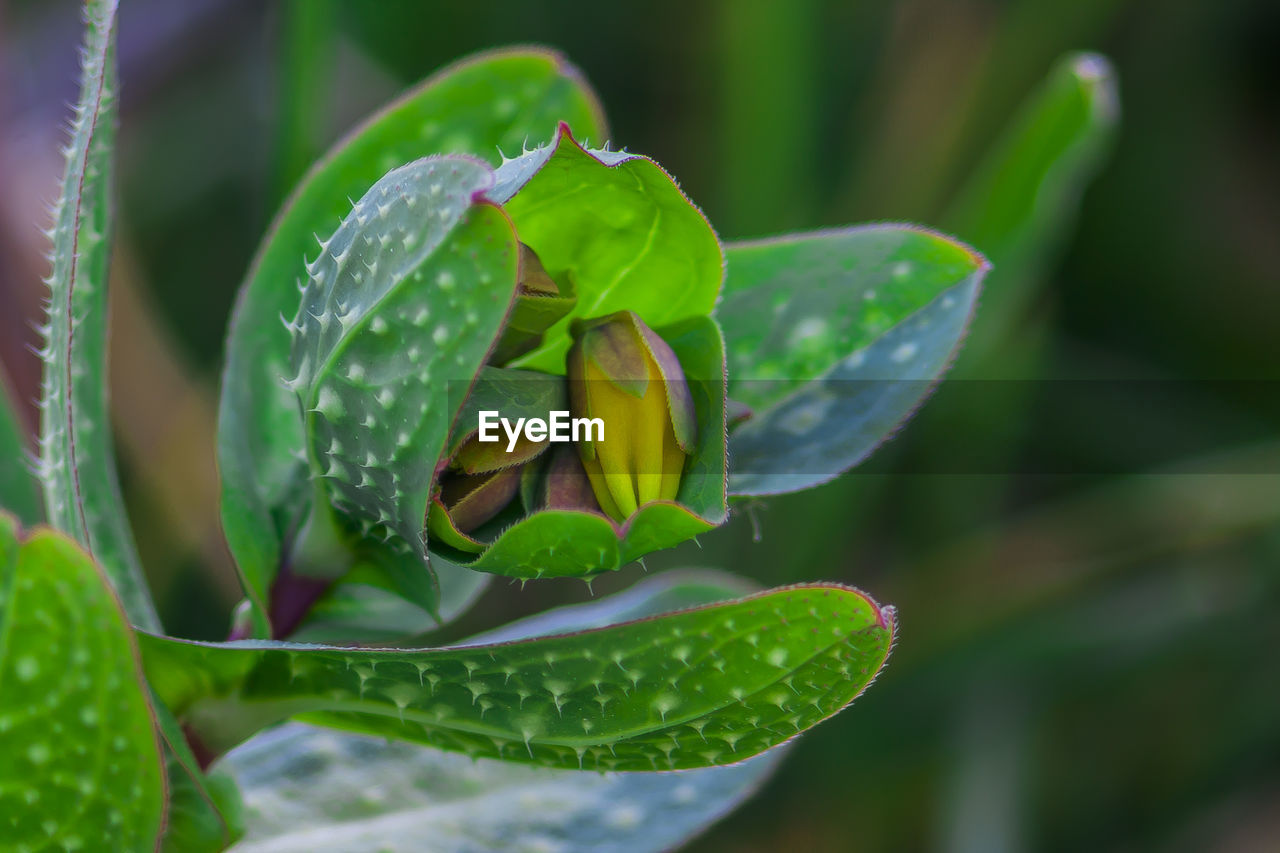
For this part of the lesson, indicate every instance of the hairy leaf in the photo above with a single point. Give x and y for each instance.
(19, 489)
(77, 463)
(654, 595)
(406, 298)
(833, 339)
(315, 789)
(80, 762)
(619, 228)
(711, 685)
(495, 100)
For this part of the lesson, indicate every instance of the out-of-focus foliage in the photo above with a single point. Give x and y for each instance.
(1082, 664)
(77, 460)
(17, 481)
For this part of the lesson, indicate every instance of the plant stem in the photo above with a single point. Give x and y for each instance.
(319, 557)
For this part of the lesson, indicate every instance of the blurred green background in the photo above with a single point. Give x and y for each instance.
(1081, 531)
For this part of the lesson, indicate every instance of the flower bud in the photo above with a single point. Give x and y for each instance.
(621, 372)
(467, 501)
(540, 302)
(481, 479)
(565, 484)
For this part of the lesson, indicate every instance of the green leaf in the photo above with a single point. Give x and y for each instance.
(18, 484)
(204, 810)
(699, 345)
(573, 544)
(365, 607)
(312, 789)
(77, 463)
(712, 685)
(619, 228)
(834, 338)
(406, 298)
(493, 100)
(654, 595)
(1018, 204)
(553, 544)
(80, 764)
(569, 543)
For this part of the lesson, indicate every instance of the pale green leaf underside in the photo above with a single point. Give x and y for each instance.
(491, 101)
(311, 789)
(80, 764)
(712, 685)
(620, 228)
(834, 338)
(77, 462)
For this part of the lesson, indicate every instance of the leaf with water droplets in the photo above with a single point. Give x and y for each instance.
(496, 100)
(834, 338)
(77, 462)
(80, 763)
(712, 685)
(404, 300)
(401, 797)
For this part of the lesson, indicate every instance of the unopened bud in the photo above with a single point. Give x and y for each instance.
(621, 372)
(466, 501)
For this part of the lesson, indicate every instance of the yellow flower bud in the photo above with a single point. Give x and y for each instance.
(621, 372)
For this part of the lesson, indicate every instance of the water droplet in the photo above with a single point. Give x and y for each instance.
(904, 353)
(625, 816)
(27, 668)
(38, 753)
